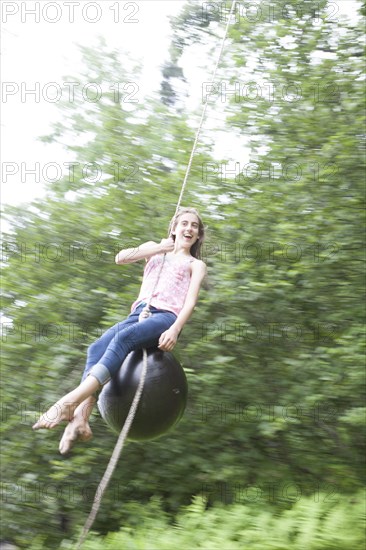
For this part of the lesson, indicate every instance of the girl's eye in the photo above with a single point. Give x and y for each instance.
(185, 222)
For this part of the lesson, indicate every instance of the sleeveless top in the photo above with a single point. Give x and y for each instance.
(172, 288)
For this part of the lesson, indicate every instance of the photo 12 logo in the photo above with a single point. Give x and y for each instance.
(270, 251)
(250, 11)
(70, 12)
(272, 92)
(269, 171)
(69, 92)
(269, 491)
(52, 172)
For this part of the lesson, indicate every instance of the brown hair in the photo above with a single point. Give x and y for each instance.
(196, 247)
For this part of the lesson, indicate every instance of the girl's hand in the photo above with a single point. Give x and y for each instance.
(168, 339)
(167, 245)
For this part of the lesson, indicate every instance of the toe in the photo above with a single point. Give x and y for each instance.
(65, 446)
(40, 424)
(72, 434)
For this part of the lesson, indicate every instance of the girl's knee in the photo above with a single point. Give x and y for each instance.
(93, 348)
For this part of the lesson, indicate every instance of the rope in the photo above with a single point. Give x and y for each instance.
(204, 111)
(131, 414)
(146, 312)
(115, 455)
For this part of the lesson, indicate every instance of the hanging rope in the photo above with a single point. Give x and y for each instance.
(131, 414)
(204, 110)
(115, 455)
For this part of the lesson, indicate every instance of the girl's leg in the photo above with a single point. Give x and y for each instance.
(131, 337)
(98, 348)
(135, 336)
(78, 429)
(64, 408)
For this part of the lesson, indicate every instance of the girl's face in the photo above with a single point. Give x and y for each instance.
(187, 230)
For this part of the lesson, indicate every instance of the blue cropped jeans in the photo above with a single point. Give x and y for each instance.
(106, 355)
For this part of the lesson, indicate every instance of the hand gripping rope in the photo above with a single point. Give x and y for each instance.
(146, 313)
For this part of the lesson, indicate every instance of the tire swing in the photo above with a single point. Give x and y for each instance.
(149, 393)
(163, 399)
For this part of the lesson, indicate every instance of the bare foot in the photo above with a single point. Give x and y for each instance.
(76, 430)
(65, 408)
(60, 411)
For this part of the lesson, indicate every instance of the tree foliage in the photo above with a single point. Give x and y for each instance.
(273, 354)
(321, 524)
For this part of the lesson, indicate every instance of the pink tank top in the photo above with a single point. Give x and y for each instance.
(172, 288)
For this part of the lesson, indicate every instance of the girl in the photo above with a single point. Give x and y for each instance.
(175, 294)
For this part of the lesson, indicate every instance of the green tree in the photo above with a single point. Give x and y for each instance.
(273, 353)
(61, 287)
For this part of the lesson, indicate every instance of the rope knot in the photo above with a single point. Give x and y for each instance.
(145, 313)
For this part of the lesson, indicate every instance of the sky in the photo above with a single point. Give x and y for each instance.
(39, 47)
(38, 52)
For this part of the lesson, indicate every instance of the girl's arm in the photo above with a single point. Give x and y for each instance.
(144, 251)
(169, 338)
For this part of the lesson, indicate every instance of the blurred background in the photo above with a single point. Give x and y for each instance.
(101, 101)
